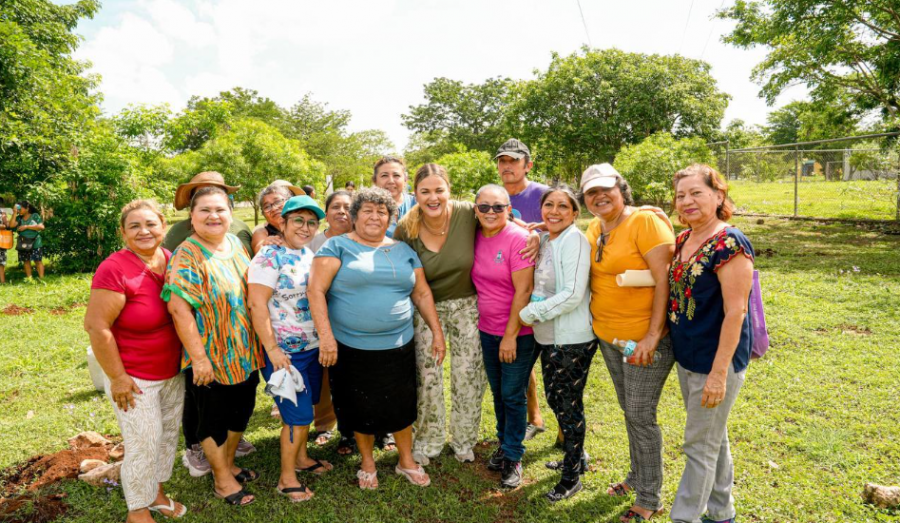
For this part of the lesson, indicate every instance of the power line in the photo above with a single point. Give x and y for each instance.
(686, 23)
(584, 23)
(713, 26)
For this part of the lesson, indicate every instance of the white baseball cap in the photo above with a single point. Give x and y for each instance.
(599, 175)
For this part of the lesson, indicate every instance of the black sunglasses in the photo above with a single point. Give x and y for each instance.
(498, 208)
(601, 243)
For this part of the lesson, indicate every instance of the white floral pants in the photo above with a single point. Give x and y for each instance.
(150, 432)
(459, 320)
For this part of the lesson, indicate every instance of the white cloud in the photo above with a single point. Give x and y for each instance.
(178, 22)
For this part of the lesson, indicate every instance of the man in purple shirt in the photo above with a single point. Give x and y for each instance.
(513, 163)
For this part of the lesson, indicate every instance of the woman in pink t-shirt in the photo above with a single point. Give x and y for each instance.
(136, 344)
(503, 281)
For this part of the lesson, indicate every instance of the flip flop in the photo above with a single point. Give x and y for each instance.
(314, 467)
(619, 489)
(171, 508)
(370, 478)
(408, 473)
(236, 498)
(631, 516)
(346, 446)
(293, 490)
(388, 441)
(246, 476)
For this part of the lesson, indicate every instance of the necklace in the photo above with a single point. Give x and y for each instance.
(149, 263)
(444, 228)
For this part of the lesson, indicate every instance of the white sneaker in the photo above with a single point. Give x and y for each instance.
(195, 461)
(244, 447)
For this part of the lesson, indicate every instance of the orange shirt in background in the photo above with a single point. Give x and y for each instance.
(624, 312)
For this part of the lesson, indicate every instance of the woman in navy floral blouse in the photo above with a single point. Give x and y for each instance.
(709, 282)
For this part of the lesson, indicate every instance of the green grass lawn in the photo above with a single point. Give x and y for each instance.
(874, 200)
(816, 419)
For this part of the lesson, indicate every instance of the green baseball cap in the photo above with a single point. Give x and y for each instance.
(299, 203)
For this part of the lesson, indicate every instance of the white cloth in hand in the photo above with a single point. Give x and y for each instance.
(285, 383)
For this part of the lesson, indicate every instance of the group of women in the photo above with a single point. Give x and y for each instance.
(376, 301)
(27, 223)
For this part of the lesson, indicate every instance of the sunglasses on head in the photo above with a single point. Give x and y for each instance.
(498, 208)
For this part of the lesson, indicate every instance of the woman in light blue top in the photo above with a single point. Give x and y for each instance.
(561, 317)
(362, 290)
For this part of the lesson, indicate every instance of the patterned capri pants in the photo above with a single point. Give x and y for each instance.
(638, 390)
(459, 319)
(150, 432)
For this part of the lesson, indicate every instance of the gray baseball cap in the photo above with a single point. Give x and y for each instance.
(513, 148)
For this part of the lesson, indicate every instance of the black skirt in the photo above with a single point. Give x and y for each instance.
(374, 391)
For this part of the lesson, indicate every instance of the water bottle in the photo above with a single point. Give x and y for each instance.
(627, 347)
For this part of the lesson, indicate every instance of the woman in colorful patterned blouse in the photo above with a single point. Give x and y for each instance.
(624, 238)
(206, 288)
(279, 307)
(709, 282)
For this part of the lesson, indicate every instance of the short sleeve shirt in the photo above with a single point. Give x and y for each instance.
(624, 312)
(369, 302)
(144, 332)
(286, 272)
(528, 202)
(496, 259)
(215, 285)
(33, 219)
(696, 305)
(449, 271)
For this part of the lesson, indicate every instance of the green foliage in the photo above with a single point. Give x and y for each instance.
(851, 46)
(469, 171)
(806, 121)
(45, 103)
(649, 165)
(740, 135)
(81, 204)
(198, 124)
(253, 154)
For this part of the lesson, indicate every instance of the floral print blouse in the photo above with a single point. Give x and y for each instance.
(696, 306)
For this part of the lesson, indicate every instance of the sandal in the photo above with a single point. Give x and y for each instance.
(236, 499)
(293, 490)
(418, 471)
(314, 467)
(367, 480)
(631, 516)
(246, 476)
(171, 508)
(322, 438)
(346, 446)
(560, 492)
(558, 465)
(387, 443)
(619, 489)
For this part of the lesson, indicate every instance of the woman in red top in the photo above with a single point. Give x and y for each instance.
(136, 344)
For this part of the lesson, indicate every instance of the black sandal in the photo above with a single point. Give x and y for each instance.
(293, 490)
(314, 467)
(246, 476)
(235, 499)
(387, 440)
(346, 446)
(560, 492)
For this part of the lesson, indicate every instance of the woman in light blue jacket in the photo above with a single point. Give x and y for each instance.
(561, 316)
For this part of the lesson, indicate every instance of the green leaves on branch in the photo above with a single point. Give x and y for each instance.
(649, 165)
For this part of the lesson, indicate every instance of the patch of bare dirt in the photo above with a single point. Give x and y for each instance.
(856, 330)
(29, 508)
(14, 310)
(43, 470)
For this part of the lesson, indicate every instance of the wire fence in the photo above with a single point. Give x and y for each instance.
(850, 178)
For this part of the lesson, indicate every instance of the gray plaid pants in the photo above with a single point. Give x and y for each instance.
(638, 390)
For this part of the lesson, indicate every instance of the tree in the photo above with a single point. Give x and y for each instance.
(649, 165)
(806, 121)
(472, 115)
(741, 136)
(586, 106)
(850, 46)
(469, 171)
(253, 154)
(45, 102)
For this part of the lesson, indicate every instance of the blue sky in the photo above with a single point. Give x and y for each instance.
(373, 56)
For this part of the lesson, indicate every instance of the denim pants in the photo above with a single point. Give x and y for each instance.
(508, 382)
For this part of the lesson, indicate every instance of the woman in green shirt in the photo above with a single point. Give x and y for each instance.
(29, 224)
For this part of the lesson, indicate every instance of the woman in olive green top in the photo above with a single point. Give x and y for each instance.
(442, 232)
(29, 225)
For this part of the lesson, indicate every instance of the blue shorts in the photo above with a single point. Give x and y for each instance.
(307, 364)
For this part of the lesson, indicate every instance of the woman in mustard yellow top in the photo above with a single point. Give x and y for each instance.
(623, 238)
